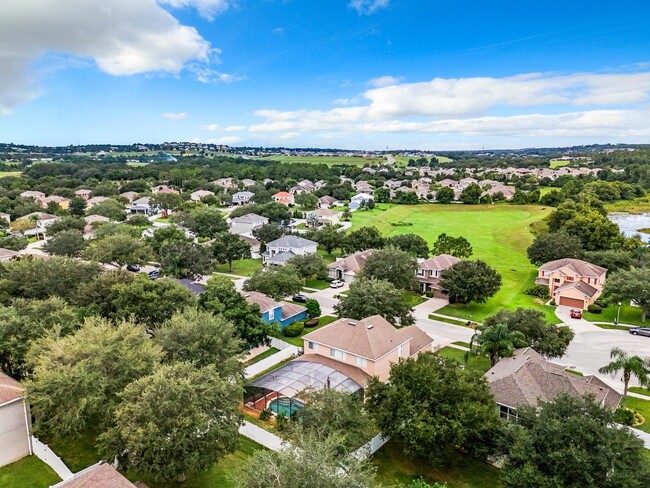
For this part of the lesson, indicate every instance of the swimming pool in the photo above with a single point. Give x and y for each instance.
(285, 406)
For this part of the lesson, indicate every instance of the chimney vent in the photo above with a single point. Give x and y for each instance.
(352, 322)
(370, 326)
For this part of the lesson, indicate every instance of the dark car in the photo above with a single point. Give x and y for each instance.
(133, 267)
(153, 274)
(644, 331)
(300, 298)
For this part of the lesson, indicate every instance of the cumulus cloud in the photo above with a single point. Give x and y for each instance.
(208, 9)
(368, 7)
(174, 116)
(122, 37)
(383, 81)
(218, 128)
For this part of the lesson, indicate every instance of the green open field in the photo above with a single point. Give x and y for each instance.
(328, 160)
(629, 315)
(28, 472)
(499, 235)
(558, 163)
(403, 160)
(4, 174)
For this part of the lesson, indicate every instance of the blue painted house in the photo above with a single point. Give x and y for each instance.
(282, 313)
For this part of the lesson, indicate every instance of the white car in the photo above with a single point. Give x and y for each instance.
(336, 284)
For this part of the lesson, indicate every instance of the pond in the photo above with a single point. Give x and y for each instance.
(631, 223)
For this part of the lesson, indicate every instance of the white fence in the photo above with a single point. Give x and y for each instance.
(371, 447)
(266, 363)
(45, 454)
(261, 436)
(644, 436)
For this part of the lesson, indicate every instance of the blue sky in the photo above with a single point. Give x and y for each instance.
(359, 74)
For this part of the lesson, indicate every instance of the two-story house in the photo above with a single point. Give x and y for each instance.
(327, 202)
(281, 250)
(246, 224)
(430, 270)
(242, 197)
(142, 206)
(347, 268)
(282, 313)
(360, 199)
(572, 282)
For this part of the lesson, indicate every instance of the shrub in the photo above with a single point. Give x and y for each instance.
(281, 422)
(294, 330)
(265, 414)
(429, 294)
(624, 416)
(594, 308)
(540, 291)
(312, 323)
(313, 308)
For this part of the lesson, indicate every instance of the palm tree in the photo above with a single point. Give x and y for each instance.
(630, 365)
(496, 342)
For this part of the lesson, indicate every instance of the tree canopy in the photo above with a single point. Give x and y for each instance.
(368, 297)
(393, 265)
(633, 284)
(554, 245)
(470, 281)
(454, 246)
(276, 281)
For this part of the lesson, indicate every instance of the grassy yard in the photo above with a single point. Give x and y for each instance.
(639, 390)
(499, 234)
(297, 341)
(163, 220)
(475, 363)
(78, 453)
(447, 320)
(643, 407)
(269, 352)
(629, 315)
(5, 174)
(412, 299)
(394, 469)
(27, 472)
(241, 267)
(558, 163)
(317, 284)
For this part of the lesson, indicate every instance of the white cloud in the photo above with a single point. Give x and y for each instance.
(368, 7)
(122, 37)
(289, 136)
(174, 116)
(218, 128)
(205, 74)
(207, 9)
(383, 81)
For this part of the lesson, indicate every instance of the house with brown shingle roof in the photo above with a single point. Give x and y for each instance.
(572, 282)
(345, 269)
(526, 378)
(15, 421)
(430, 271)
(371, 344)
(100, 475)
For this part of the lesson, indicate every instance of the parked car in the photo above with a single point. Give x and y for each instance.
(153, 274)
(336, 284)
(299, 298)
(644, 331)
(576, 314)
(133, 267)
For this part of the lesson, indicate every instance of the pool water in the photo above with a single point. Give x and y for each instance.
(284, 406)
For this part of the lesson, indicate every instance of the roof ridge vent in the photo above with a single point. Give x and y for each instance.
(369, 326)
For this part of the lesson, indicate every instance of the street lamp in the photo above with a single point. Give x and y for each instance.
(618, 313)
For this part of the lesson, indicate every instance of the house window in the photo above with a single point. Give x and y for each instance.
(556, 280)
(312, 345)
(595, 281)
(569, 278)
(420, 272)
(271, 314)
(401, 350)
(508, 413)
(359, 361)
(336, 354)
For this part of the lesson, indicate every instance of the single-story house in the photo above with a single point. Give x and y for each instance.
(346, 269)
(225, 183)
(37, 195)
(198, 194)
(282, 313)
(142, 206)
(242, 197)
(92, 221)
(100, 475)
(430, 270)
(527, 378)
(246, 182)
(247, 223)
(281, 250)
(130, 195)
(83, 193)
(94, 201)
(15, 421)
(62, 202)
(283, 197)
(356, 200)
(572, 282)
(327, 201)
(164, 189)
(34, 224)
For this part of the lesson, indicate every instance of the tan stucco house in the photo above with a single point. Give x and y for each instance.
(430, 270)
(572, 282)
(15, 421)
(347, 268)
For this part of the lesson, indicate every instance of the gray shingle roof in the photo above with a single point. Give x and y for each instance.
(291, 242)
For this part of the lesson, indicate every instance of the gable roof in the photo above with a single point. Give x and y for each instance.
(327, 199)
(265, 303)
(354, 262)
(100, 475)
(371, 337)
(10, 389)
(578, 266)
(527, 378)
(585, 288)
(291, 242)
(439, 262)
(282, 194)
(250, 218)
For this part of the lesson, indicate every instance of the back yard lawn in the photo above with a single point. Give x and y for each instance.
(499, 235)
(643, 407)
(27, 472)
(394, 469)
(241, 267)
(297, 341)
(476, 363)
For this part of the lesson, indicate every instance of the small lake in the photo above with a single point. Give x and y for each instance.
(631, 223)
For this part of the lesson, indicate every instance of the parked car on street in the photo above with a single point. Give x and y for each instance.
(644, 331)
(153, 274)
(336, 284)
(299, 298)
(133, 267)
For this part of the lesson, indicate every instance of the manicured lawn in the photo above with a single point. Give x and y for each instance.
(461, 343)
(412, 299)
(558, 163)
(629, 315)
(163, 220)
(643, 407)
(475, 363)
(499, 235)
(317, 284)
(27, 472)
(221, 475)
(241, 267)
(394, 469)
(269, 352)
(328, 258)
(77, 453)
(639, 390)
(612, 327)
(459, 322)
(297, 341)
